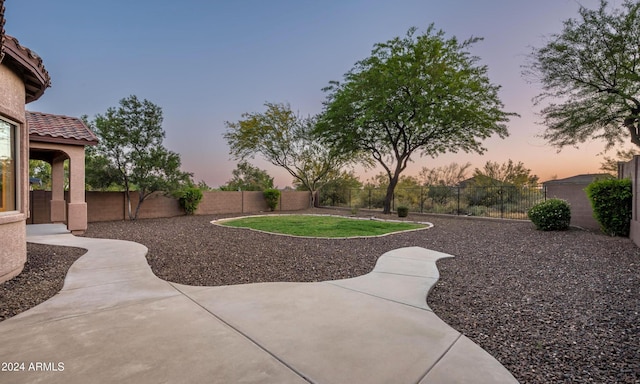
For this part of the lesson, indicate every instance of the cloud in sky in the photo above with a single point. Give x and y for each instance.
(206, 62)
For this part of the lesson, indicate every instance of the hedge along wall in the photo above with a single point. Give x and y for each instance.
(631, 170)
(111, 206)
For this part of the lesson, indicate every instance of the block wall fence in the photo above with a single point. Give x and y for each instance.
(576, 196)
(631, 170)
(112, 206)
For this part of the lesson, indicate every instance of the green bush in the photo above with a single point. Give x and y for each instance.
(403, 211)
(611, 200)
(477, 210)
(189, 199)
(551, 215)
(272, 196)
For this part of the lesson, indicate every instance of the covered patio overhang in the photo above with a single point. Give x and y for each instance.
(54, 139)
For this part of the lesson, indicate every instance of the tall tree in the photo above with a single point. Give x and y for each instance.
(447, 175)
(285, 139)
(337, 190)
(420, 94)
(247, 177)
(130, 151)
(590, 73)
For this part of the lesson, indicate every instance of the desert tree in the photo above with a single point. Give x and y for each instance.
(446, 175)
(590, 77)
(286, 140)
(131, 154)
(417, 95)
(247, 177)
(509, 173)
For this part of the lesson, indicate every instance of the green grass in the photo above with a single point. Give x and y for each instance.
(321, 226)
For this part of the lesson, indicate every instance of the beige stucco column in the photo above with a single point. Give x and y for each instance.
(77, 207)
(58, 208)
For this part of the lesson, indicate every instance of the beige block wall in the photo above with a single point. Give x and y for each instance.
(156, 205)
(581, 211)
(220, 202)
(13, 247)
(111, 206)
(105, 206)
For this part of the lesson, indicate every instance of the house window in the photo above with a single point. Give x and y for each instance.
(7, 166)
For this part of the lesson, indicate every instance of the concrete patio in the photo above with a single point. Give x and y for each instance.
(115, 321)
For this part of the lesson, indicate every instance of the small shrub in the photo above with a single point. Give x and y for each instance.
(551, 215)
(477, 210)
(403, 211)
(611, 200)
(189, 199)
(272, 196)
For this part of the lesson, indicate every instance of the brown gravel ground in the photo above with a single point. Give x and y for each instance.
(553, 307)
(41, 278)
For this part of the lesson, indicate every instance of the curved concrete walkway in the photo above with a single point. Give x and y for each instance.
(115, 321)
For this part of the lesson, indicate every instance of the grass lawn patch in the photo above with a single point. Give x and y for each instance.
(321, 226)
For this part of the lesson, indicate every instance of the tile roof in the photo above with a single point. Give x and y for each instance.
(59, 129)
(27, 64)
(2, 20)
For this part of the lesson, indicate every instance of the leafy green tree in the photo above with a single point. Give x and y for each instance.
(202, 185)
(420, 94)
(246, 177)
(130, 151)
(509, 173)
(448, 175)
(500, 183)
(285, 139)
(590, 72)
(441, 181)
(336, 191)
(41, 170)
(99, 172)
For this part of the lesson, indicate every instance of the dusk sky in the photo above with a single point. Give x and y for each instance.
(206, 62)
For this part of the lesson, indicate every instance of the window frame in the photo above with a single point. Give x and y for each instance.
(17, 156)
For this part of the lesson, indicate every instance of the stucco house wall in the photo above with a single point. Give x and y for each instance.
(23, 79)
(13, 246)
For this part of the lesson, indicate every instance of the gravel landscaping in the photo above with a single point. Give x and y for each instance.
(552, 307)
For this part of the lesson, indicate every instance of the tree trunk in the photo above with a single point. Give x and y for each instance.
(141, 197)
(128, 196)
(389, 197)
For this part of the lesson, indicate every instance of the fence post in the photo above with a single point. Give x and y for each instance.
(458, 207)
(501, 202)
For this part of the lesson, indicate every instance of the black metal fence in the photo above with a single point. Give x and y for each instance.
(507, 202)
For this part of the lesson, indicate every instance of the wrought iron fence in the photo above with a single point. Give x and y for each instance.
(507, 202)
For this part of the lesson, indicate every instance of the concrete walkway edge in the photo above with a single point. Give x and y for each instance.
(115, 321)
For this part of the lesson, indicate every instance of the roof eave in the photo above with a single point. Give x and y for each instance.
(27, 64)
(60, 140)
